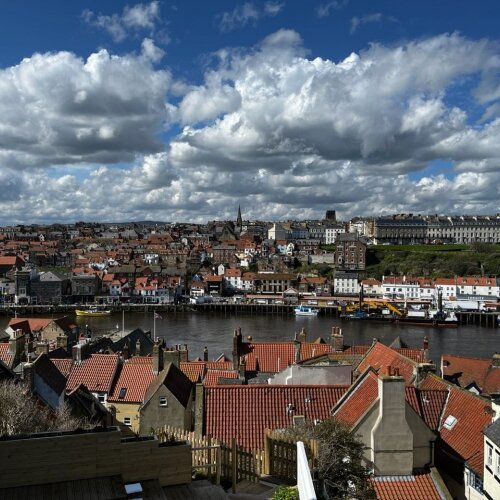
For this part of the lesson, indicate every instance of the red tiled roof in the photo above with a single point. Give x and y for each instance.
(219, 365)
(34, 324)
(472, 414)
(416, 487)
(272, 357)
(472, 370)
(5, 355)
(359, 398)
(243, 412)
(194, 370)
(212, 376)
(63, 365)
(382, 357)
(428, 404)
(135, 379)
(96, 373)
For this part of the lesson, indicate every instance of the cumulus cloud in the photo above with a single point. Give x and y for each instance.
(247, 13)
(139, 17)
(285, 134)
(59, 109)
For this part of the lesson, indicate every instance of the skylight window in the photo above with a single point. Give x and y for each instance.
(123, 391)
(450, 422)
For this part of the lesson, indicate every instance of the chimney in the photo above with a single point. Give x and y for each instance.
(184, 352)
(391, 436)
(157, 358)
(137, 351)
(62, 341)
(80, 352)
(17, 347)
(303, 335)
(42, 347)
(171, 356)
(495, 362)
(205, 354)
(29, 375)
(125, 352)
(242, 368)
(421, 370)
(297, 346)
(236, 348)
(337, 339)
(426, 349)
(198, 409)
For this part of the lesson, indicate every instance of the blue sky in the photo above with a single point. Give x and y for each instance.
(182, 110)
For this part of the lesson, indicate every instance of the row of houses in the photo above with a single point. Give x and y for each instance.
(424, 436)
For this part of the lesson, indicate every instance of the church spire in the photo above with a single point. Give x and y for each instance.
(239, 222)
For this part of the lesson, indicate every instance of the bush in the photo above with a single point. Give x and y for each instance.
(286, 493)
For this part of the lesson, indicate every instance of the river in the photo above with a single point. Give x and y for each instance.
(215, 331)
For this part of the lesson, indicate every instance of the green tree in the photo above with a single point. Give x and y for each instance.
(340, 460)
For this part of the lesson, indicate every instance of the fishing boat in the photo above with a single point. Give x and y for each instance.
(93, 312)
(306, 311)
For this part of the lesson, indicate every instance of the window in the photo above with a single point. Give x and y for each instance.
(123, 392)
(127, 421)
(489, 455)
(163, 400)
(101, 398)
(497, 470)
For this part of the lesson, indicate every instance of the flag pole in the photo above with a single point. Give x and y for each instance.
(123, 321)
(154, 325)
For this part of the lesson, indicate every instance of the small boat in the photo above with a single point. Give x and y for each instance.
(306, 311)
(93, 312)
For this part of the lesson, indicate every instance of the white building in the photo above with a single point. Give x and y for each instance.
(345, 283)
(277, 232)
(331, 233)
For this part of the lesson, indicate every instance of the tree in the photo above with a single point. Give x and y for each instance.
(340, 460)
(21, 413)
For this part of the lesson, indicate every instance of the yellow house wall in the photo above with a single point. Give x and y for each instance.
(123, 410)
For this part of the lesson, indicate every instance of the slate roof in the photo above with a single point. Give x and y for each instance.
(97, 373)
(175, 381)
(416, 487)
(244, 412)
(492, 432)
(48, 372)
(466, 371)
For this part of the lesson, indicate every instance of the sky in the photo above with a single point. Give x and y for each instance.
(182, 111)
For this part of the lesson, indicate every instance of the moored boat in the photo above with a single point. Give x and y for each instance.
(93, 312)
(306, 311)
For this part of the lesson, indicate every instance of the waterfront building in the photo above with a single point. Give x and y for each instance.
(350, 252)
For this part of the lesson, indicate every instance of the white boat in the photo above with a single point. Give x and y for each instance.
(306, 311)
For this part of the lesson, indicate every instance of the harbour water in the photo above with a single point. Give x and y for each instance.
(215, 331)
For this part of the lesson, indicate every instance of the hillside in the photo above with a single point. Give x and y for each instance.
(433, 260)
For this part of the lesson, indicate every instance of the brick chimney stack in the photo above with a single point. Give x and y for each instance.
(337, 339)
(157, 357)
(17, 346)
(303, 335)
(205, 354)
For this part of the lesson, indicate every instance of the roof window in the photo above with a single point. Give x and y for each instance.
(450, 422)
(123, 391)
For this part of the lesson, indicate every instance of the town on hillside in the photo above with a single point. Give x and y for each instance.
(157, 419)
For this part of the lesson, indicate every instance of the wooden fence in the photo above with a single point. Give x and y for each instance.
(220, 460)
(280, 455)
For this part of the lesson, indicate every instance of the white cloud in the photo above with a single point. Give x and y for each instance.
(247, 13)
(324, 9)
(139, 17)
(59, 109)
(356, 22)
(284, 134)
